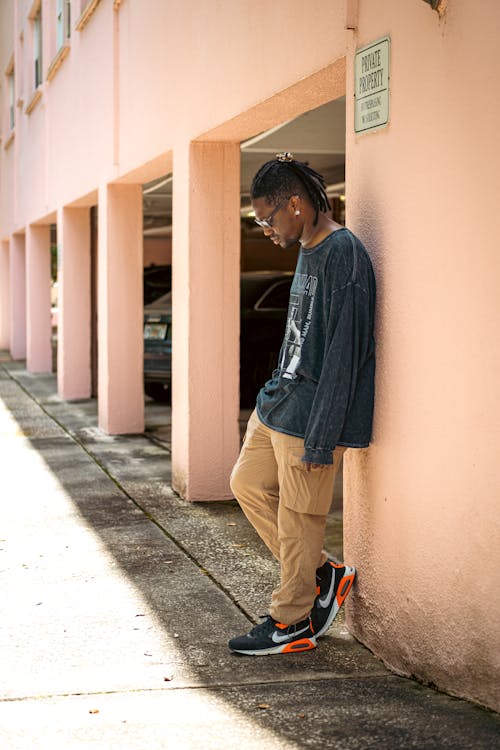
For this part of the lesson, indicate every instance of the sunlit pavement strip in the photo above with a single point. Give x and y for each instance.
(179, 720)
(62, 589)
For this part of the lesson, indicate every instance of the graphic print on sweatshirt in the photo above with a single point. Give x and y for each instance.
(302, 296)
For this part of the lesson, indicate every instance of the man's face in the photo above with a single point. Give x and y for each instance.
(281, 224)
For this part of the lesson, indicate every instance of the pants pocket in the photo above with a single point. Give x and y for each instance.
(306, 491)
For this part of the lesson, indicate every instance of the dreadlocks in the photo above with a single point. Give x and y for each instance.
(280, 178)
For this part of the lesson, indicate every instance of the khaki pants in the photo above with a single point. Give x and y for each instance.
(288, 507)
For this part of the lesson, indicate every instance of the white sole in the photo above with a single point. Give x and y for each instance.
(293, 647)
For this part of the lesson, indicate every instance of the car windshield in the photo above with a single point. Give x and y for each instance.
(257, 287)
(277, 297)
(164, 301)
(157, 281)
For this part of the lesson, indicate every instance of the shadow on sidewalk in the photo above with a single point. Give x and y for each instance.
(201, 573)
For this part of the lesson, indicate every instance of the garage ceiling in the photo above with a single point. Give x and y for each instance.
(317, 137)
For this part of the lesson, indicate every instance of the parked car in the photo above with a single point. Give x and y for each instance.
(264, 305)
(157, 282)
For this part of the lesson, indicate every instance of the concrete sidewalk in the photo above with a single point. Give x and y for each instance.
(119, 598)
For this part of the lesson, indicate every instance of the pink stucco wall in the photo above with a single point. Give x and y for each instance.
(38, 318)
(422, 516)
(136, 95)
(157, 251)
(4, 295)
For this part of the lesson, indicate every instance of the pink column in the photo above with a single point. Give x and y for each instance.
(38, 322)
(206, 288)
(73, 331)
(120, 310)
(4, 295)
(17, 302)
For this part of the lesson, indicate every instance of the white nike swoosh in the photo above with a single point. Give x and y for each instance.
(277, 638)
(325, 601)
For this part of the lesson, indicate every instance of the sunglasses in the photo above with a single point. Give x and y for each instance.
(269, 221)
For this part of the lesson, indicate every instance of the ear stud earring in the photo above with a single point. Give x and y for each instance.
(297, 212)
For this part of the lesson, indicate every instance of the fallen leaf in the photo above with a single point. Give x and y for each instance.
(301, 716)
(239, 545)
(94, 711)
(231, 523)
(168, 678)
(263, 705)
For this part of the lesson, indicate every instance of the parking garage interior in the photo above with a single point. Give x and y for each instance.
(316, 137)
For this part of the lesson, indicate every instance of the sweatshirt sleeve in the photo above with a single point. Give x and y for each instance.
(346, 348)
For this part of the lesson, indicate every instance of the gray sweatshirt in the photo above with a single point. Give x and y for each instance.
(323, 387)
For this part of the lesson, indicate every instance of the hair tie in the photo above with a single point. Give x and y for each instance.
(284, 156)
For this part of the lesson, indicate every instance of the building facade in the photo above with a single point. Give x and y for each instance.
(100, 98)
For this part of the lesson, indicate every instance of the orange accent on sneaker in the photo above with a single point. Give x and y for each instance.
(304, 644)
(281, 625)
(318, 591)
(345, 586)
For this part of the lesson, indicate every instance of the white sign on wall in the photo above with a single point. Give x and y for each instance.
(371, 85)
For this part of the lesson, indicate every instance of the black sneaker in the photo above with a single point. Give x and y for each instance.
(272, 637)
(334, 583)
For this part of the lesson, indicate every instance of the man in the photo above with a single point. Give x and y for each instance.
(318, 403)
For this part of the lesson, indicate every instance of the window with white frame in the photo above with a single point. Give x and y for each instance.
(63, 10)
(87, 8)
(11, 83)
(37, 46)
